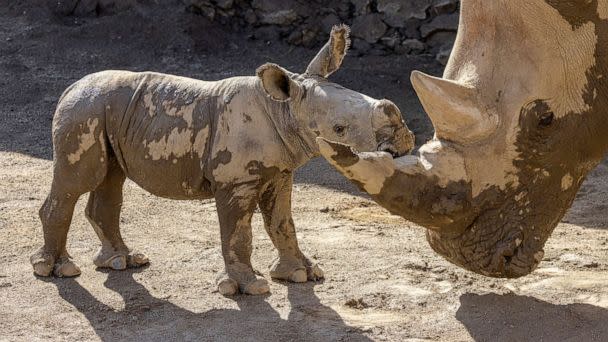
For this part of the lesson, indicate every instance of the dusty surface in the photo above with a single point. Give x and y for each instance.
(383, 281)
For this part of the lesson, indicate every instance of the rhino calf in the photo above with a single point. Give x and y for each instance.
(237, 140)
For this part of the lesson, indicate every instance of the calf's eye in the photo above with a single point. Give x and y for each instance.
(340, 130)
(546, 119)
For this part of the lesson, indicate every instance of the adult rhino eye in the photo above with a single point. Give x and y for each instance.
(340, 130)
(546, 119)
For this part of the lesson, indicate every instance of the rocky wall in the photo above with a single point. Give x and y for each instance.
(378, 26)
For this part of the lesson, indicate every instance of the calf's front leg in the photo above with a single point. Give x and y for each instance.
(275, 205)
(235, 207)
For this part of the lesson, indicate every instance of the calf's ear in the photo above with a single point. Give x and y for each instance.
(330, 57)
(277, 83)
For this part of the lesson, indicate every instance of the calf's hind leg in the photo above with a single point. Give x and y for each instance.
(80, 165)
(56, 216)
(103, 212)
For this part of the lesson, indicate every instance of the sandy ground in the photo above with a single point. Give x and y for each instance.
(383, 281)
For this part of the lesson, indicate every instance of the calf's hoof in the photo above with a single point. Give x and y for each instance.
(227, 286)
(257, 287)
(296, 270)
(119, 261)
(46, 265)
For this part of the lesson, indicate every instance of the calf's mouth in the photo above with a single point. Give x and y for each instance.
(389, 148)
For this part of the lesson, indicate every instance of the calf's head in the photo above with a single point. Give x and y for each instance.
(326, 109)
(520, 119)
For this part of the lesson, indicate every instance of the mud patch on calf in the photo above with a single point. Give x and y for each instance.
(185, 111)
(86, 140)
(222, 157)
(176, 144)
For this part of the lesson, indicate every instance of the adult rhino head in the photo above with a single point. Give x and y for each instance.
(520, 119)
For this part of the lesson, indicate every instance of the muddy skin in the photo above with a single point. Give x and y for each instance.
(237, 140)
(500, 230)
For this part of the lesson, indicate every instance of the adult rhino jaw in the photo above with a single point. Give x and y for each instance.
(520, 119)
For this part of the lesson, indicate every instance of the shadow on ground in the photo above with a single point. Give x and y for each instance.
(147, 318)
(590, 209)
(511, 317)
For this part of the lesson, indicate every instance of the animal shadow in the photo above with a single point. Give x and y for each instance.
(494, 317)
(147, 318)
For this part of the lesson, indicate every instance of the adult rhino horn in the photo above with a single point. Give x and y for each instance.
(454, 109)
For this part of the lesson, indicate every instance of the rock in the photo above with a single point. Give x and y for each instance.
(397, 12)
(440, 39)
(284, 17)
(306, 11)
(202, 7)
(356, 303)
(225, 13)
(269, 6)
(250, 17)
(341, 7)
(369, 27)
(444, 22)
(444, 55)
(267, 33)
(377, 51)
(85, 7)
(413, 46)
(208, 12)
(329, 21)
(411, 28)
(361, 6)
(62, 7)
(445, 6)
(361, 45)
(309, 37)
(295, 37)
(390, 42)
(107, 7)
(225, 4)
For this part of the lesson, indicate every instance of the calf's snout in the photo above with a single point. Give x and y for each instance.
(392, 134)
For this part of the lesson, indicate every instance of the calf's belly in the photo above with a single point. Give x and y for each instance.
(178, 178)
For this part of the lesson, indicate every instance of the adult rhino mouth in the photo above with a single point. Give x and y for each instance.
(511, 256)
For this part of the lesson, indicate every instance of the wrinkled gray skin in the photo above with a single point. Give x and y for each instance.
(237, 140)
(520, 118)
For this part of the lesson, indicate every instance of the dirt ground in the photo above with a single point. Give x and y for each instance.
(383, 282)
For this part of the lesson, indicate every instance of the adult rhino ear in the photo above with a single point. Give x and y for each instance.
(277, 82)
(332, 54)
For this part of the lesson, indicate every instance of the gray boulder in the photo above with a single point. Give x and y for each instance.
(369, 27)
